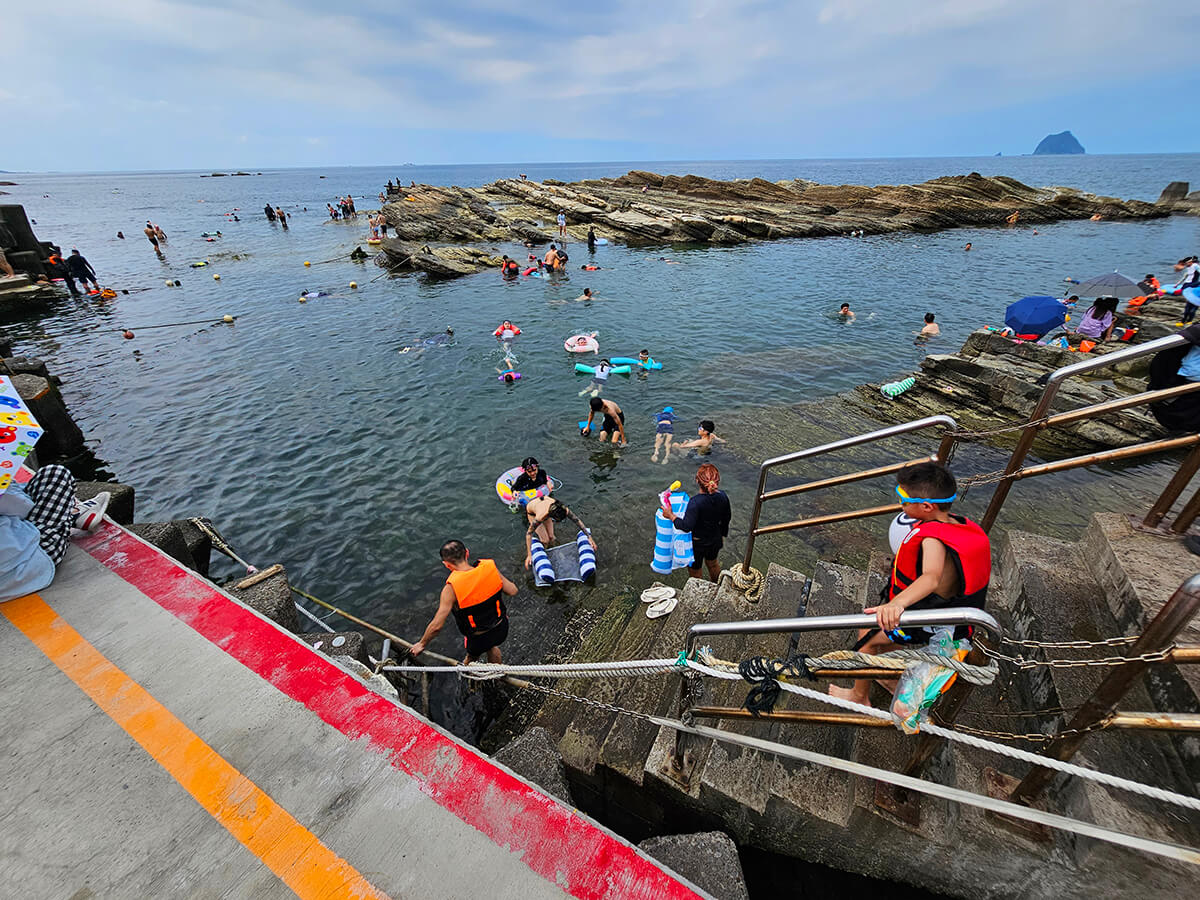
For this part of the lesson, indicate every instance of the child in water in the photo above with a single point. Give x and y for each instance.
(599, 379)
(664, 432)
(707, 437)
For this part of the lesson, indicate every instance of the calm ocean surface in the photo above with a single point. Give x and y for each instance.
(309, 440)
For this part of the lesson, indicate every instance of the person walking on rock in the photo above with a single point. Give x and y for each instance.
(473, 595)
(562, 224)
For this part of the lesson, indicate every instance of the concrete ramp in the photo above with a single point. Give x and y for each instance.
(162, 740)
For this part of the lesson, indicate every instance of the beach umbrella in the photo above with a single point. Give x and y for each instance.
(19, 431)
(1112, 284)
(1035, 315)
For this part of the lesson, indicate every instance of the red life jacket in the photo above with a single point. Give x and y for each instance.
(966, 546)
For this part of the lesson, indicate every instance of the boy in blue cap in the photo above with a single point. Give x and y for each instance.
(664, 433)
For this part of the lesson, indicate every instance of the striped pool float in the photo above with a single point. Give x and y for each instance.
(543, 572)
(672, 547)
(587, 556)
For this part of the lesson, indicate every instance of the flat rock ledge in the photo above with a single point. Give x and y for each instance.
(647, 208)
(992, 381)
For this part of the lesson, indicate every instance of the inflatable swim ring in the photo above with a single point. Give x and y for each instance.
(374, 241)
(499, 332)
(513, 499)
(591, 370)
(582, 343)
(631, 361)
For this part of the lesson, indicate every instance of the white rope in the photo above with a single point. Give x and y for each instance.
(316, 619)
(1125, 784)
(486, 671)
(1002, 807)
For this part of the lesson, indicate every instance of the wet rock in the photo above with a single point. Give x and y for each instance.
(339, 643)
(644, 207)
(440, 262)
(180, 540)
(62, 438)
(533, 755)
(27, 365)
(709, 859)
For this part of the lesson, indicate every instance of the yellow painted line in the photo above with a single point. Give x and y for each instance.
(263, 827)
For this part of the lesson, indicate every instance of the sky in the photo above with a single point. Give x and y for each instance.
(227, 84)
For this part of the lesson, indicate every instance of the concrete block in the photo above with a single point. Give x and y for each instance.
(199, 545)
(120, 507)
(534, 756)
(709, 859)
(167, 537)
(273, 598)
(27, 365)
(62, 438)
(339, 643)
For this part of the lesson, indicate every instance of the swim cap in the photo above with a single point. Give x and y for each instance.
(669, 409)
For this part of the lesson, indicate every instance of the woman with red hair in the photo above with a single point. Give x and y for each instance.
(707, 518)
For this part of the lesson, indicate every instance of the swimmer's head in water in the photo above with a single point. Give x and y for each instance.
(509, 378)
(449, 330)
(928, 318)
(845, 307)
(708, 426)
(596, 404)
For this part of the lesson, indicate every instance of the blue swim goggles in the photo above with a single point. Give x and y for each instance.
(904, 498)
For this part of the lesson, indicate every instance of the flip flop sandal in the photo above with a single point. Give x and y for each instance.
(660, 608)
(657, 591)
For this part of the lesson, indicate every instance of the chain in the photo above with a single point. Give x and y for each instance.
(1034, 737)
(1003, 429)
(1072, 645)
(594, 704)
(1021, 713)
(1021, 662)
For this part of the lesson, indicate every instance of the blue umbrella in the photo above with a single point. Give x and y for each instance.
(1035, 315)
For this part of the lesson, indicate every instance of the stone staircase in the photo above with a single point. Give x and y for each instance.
(1110, 583)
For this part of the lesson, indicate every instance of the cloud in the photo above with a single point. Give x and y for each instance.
(687, 78)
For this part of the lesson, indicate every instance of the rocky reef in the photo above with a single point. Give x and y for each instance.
(1177, 199)
(647, 208)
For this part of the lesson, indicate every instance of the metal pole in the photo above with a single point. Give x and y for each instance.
(1187, 515)
(754, 514)
(1171, 619)
(1091, 459)
(1154, 721)
(793, 715)
(1029, 433)
(1180, 480)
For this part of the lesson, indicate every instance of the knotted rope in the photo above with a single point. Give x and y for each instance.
(749, 583)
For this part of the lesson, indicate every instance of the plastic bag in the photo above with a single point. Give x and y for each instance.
(921, 685)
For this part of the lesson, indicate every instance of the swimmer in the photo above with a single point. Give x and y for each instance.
(506, 332)
(644, 357)
(968, 247)
(669, 262)
(845, 313)
(706, 433)
(613, 422)
(664, 433)
(931, 327)
(152, 238)
(586, 295)
(121, 235)
(590, 268)
(599, 378)
(435, 341)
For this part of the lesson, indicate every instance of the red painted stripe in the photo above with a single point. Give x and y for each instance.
(554, 842)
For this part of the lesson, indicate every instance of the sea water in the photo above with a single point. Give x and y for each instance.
(310, 440)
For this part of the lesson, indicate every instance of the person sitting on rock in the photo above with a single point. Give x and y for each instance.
(1097, 323)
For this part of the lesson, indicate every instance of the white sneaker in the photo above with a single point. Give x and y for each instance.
(91, 512)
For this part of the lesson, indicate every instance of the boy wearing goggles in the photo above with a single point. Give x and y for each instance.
(945, 561)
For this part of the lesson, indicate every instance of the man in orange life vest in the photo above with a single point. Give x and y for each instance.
(944, 561)
(473, 595)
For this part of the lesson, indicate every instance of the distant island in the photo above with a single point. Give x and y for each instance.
(1063, 142)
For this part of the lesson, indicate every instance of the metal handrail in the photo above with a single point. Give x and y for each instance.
(1053, 383)
(943, 454)
(911, 618)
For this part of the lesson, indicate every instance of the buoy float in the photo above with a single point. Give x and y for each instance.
(228, 320)
(170, 283)
(127, 334)
(303, 299)
(307, 263)
(354, 284)
(216, 278)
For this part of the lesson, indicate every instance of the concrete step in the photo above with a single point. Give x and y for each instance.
(734, 776)
(598, 645)
(799, 791)
(624, 748)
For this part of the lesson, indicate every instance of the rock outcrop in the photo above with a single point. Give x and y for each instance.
(1176, 198)
(648, 208)
(1063, 142)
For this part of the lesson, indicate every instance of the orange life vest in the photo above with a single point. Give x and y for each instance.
(967, 547)
(478, 597)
